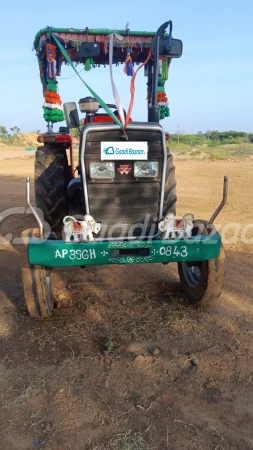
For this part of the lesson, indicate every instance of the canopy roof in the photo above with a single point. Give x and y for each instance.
(95, 47)
(139, 42)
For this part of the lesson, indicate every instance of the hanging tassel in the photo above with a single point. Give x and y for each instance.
(51, 63)
(165, 69)
(114, 89)
(128, 67)
(89, 63)
(52, 49)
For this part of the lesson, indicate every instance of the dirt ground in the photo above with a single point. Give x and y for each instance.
(111, 369)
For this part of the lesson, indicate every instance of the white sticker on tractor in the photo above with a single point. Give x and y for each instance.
(124, 151)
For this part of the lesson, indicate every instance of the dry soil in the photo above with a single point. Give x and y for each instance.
(111, 368)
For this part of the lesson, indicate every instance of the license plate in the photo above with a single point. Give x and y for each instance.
(124, 151)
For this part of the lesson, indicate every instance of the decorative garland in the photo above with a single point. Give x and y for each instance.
(53, 111)
(53, 105)
(162, 99)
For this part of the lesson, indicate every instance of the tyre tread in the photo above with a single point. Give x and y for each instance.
(170, 197)
(51, 174)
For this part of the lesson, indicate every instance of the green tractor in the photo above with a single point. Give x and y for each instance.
(118, 205)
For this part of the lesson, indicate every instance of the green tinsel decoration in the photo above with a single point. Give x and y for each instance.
(165, 69)
(89, 63)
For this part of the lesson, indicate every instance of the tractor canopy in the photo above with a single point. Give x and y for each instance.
(92, 48)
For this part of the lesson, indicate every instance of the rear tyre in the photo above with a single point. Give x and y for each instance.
(202, 281)
(36, 282)
(51, 178)
(170, 198)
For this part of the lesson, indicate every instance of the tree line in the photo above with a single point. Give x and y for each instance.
(210, 137)
(11, 135)
(213, 138)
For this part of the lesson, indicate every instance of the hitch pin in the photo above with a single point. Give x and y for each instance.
(28, 201)
(223, 202)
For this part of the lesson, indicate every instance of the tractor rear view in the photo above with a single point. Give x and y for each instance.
(118, 205)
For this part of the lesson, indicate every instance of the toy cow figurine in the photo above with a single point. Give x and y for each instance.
(80, 230)
(176, 229)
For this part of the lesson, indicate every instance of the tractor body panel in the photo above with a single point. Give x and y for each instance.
(131, 205)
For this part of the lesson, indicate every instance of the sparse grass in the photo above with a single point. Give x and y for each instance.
(220, 152)
(109, 344)
(127, 441)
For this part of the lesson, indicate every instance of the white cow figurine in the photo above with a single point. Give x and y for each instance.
(80, 230)
(188, 226)
(176, 229)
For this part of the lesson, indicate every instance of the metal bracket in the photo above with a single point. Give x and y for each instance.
(223, 202)
(28, 201)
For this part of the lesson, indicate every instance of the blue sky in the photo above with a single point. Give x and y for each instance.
(210, 87)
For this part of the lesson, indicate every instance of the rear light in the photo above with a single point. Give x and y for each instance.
(146, 169)
(57, 138)
(102, 170)
(42, 139)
